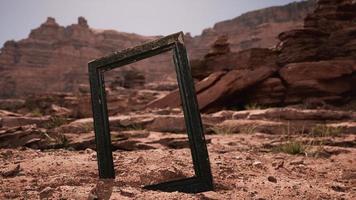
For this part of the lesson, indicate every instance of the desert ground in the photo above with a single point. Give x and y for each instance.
(273, 159)
(275, 88)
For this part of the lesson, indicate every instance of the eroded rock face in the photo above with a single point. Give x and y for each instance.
(54, 58)
(328, 33)
(332, 15)
(152, 130)
(256, 29)
(219, 87)
(301, 45)
(249, 59)
(322, 70)
(313, 64)
(324, 78)
(234, 82)
(319, 60)
(173, 99)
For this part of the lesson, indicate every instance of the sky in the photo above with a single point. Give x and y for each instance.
(145, 17)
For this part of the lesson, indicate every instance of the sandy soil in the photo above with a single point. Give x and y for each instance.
(243, 165)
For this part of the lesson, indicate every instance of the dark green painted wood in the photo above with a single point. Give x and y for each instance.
(101, 124)
(202, 181)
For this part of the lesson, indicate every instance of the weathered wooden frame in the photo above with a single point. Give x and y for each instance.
(202, 181)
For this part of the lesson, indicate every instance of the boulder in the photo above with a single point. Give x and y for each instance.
(214, 90)
(321, 70)
(29, 135)
(230, 85)
(173, 99)
(301, 45)
(317, 88)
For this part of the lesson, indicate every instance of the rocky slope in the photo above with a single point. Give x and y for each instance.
(54, 58)
(314, 66)
(284, 153)
(47, 150)
(253, 29)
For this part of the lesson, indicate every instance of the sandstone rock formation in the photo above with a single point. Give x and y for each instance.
(224, 61)
(54, 58)
(315, 64)
(319, 60)
(47, 142)
(146, 130)
(218, 88)
(256, 29)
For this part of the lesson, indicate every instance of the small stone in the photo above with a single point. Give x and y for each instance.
(7, 154)
(140, 159)
(260, 198)
(93, 157)
(45, 193)
(128, 192)
(92, 196)
(238, 158)
(278, 164)
(297, 162)
(338, 188)
(257, 164)
(279, 157)
(28, 188)
(11, 171)
(248, 158)
(272, 179)
(89, 150)
(348, 175)
(219, 162)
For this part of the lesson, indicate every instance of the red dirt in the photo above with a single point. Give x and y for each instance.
(243, 168)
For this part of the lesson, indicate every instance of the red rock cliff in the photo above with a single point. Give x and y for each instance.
(54, 58)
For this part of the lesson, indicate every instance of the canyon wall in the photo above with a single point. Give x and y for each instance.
(54, 58)
(312, 66)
